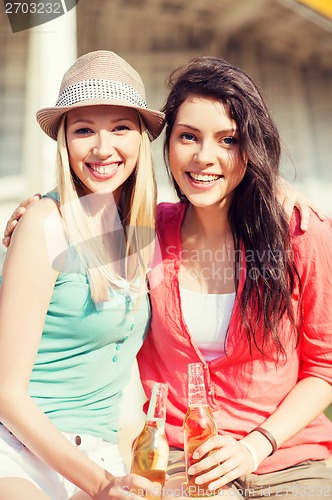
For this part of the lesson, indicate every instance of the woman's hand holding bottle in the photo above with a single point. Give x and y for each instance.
(222, 459)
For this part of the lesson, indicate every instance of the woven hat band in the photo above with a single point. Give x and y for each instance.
(100, 89)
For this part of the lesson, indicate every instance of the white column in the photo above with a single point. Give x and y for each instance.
(52, 50)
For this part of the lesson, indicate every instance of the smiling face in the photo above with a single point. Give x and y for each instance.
(204, 154)
(103, 146)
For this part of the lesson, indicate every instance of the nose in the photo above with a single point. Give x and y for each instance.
(103, 146)
(205, 155)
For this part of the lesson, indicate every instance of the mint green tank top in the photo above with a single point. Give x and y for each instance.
(85, 356)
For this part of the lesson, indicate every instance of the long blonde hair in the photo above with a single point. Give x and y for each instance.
(137, 208)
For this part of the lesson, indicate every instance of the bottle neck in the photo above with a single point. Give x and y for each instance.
(197, 396)
(157, 406)
(196, 385)
(155, 426)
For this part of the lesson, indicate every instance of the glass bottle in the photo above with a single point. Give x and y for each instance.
(199, 424)
(150, 449)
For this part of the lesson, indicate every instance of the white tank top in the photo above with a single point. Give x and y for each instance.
(207, 318)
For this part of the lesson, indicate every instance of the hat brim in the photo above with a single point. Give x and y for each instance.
(48, 118)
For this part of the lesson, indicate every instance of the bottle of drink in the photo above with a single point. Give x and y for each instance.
(198, 425)
(150, 449)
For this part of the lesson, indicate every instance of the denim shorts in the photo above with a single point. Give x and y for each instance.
(17, 461)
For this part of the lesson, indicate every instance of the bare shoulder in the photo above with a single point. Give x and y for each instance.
(42, 209)
(34, 243)
(42, 219)
(39, 237)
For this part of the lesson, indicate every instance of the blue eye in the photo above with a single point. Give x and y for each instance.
(230, 140)
(187, 136)
(83, 130)
(120, 128)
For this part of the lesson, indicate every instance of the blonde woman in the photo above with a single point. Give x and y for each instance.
(73, 295)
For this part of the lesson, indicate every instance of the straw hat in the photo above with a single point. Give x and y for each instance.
(100, 77)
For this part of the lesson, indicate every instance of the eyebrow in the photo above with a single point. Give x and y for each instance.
(79, 120)
(91, 122)
(223, 131)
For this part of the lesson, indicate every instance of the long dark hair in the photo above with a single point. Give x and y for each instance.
(256, 218)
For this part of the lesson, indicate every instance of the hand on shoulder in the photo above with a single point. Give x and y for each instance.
(315, 223)
(15, 217)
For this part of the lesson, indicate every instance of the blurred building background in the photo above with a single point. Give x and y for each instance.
(285, 45)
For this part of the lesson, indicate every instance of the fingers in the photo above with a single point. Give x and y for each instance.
(234, 471)
(290, 198)
(304, 213)
(11, 226)
(137, 486)
(229, 461)
(130, 487)
(317, 210)
(304, 208)
(211, 444)
(6, 241)
(13, 221)
(25, 203)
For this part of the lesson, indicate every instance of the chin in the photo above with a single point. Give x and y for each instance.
(204, 203)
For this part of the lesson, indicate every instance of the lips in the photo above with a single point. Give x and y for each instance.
(203, 178)
(103, 169)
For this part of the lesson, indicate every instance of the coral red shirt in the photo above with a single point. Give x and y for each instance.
(243, 389)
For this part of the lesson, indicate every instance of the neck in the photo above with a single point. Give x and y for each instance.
(98, 202)
(102, 211)
(208, 221)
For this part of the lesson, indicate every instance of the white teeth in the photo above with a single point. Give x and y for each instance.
(103, 170)
(203, 177)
